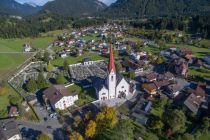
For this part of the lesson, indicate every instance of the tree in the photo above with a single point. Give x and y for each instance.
(118, 67)
(41, 81)
(76, 136)
(60, 79)
(205, 125)
(131, 75)
(116, 54)
(123, 130)
(49, 67)
(90, 130)
(157, 124)
(31, 86)
(107, 118)
(176, 120)
(186, 136)
(14, 99)
(43, 137)
(160, 60)
(66, 65)
(46, 57)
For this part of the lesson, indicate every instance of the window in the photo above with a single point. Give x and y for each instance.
(103, 93)
(112, 78)
(122, 87)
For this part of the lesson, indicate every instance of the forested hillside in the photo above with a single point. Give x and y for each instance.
(141, 8)
(74, 7)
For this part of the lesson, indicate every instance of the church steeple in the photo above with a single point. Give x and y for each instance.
(111, 66)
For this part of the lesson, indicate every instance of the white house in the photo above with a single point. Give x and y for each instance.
(114, 86)
(63, 55)
(59, 97)
(27, 48)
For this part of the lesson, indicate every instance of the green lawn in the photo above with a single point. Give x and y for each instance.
(200, 72)
(205, 42)
(85, 96)
(16, 45)
(8, 62)
(91, 36)
(199, 52)
(73, 60)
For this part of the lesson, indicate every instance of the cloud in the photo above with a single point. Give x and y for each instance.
(37, 2)
(108, 2)
(42, 2)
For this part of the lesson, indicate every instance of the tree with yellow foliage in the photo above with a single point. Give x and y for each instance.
(76, 136)
(107, 118)
(90, 130)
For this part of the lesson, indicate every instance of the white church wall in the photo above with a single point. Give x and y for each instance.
(123, 86)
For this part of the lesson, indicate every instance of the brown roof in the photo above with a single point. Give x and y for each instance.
(56, 92)
(151, 76)
(161, 83)
(168, 75)
(149, 86)
(193, 102)
(198, 91)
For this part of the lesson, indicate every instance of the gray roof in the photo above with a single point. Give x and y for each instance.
(8, 128)
(56, 92)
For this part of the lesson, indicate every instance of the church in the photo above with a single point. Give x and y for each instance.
(114, 85)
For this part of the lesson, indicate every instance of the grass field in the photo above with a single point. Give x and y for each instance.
(11, 55)
(16, 45)
(201, 72)
(8, 63)
(199, 52)
(72, 60)
(91, 36)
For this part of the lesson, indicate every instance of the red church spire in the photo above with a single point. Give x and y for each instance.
(111, 60)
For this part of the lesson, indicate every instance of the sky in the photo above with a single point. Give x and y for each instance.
(42, 2)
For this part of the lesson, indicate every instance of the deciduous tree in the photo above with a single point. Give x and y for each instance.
(31, 86)
(90, 130)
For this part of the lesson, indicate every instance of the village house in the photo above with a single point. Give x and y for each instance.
(27, 47)
(150, 77)
(150, 88)
(179, 67)
(196, 97)
(141, 111)
(13, 111)
(59, 97)
(172, 90)
(131, 66)
(9, 130)
(87, 61)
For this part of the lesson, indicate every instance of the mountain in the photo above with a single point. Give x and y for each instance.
(140, 8)
(74, 7)
(11, 7)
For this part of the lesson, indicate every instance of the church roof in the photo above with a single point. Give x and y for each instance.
(111, 66)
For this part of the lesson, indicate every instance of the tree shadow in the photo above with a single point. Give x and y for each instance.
(60, 134)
